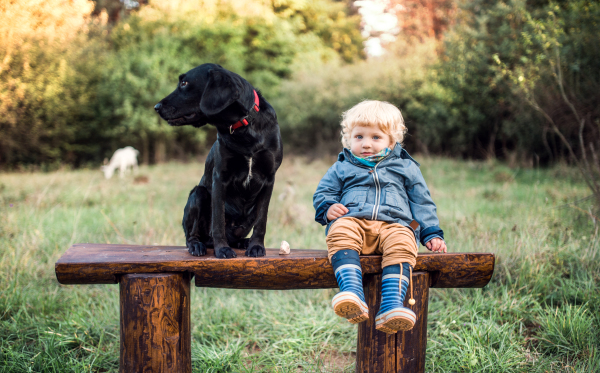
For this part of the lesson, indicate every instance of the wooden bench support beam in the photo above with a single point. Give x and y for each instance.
(155, 323)
(403, 352)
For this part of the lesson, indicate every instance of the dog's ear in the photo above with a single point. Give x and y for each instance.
(222, 89)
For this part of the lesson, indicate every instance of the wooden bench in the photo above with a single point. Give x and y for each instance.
(155, 296)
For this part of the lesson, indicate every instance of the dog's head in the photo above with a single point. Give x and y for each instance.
(207, 94)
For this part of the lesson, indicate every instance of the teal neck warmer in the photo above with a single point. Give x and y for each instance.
(372, 160)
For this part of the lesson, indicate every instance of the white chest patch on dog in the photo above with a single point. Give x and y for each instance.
(247, 181)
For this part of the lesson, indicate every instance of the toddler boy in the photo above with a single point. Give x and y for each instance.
(374, 200)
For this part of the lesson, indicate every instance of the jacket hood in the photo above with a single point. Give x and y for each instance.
(397, 152)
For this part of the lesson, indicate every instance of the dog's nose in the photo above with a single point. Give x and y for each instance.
(157, 106)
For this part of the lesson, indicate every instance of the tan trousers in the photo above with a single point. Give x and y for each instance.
(392, 240)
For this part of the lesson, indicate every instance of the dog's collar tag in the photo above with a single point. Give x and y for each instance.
(244, 121)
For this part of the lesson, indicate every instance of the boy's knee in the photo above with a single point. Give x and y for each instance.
(337, 241)
(345, 227)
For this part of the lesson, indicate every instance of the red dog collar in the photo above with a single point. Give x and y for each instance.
(244, 121)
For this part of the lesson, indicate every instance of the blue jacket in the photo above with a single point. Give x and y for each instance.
(393, 191)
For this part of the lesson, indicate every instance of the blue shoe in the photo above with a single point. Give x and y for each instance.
(392, 315)
(350, 302)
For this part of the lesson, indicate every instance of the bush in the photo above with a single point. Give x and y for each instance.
(77, 99)
(487, 115)
(310, 105)
(41, 89)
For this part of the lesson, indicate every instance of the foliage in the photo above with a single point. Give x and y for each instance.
(41, 90)
(460, 102)
(78, 98)
(329, 21)
(423, 19)
(310, 105)
(554, 53)
(485, 115)
(477, 115)
(151, 48)
(456, 105)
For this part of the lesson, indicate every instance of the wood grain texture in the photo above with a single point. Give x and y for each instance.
(375, 351)
(411, 345)
(155, 323)
(302, 269)
(403, 352)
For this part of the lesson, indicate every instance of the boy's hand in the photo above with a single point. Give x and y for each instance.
(436, 245)
(336, 210)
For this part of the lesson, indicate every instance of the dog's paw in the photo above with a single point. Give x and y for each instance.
(196, 248)
(256, 250)
(225, 253)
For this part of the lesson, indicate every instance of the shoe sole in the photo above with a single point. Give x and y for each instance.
(349, 306)
(397, 319)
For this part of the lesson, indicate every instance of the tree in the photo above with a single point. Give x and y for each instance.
(78, 81)
(559, 77)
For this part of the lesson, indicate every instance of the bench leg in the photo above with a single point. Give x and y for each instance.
(155, 323)
(402, 352)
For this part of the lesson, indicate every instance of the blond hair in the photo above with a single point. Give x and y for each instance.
(371, 113)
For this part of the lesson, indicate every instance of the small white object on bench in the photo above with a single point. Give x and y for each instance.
(284, 249)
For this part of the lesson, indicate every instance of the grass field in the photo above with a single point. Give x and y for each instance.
(540, 312)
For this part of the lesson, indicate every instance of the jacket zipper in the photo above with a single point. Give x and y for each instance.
(377, 192)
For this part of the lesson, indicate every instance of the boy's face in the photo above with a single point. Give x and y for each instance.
(366, 141)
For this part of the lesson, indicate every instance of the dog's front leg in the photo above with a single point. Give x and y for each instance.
(196, 216)
(222, 249)
(256, 246)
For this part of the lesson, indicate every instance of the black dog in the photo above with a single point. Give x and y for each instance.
(234, 192)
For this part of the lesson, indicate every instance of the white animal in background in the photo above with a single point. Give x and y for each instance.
(122, 159)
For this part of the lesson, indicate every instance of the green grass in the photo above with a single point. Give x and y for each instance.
(539, 313)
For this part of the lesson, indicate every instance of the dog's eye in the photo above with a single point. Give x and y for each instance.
(183, 84)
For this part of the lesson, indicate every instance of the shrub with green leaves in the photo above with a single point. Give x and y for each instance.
(41, 87)
(484, 114)
(310, 104)
(79, 97)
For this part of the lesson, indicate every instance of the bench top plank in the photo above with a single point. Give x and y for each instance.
(301, 269)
